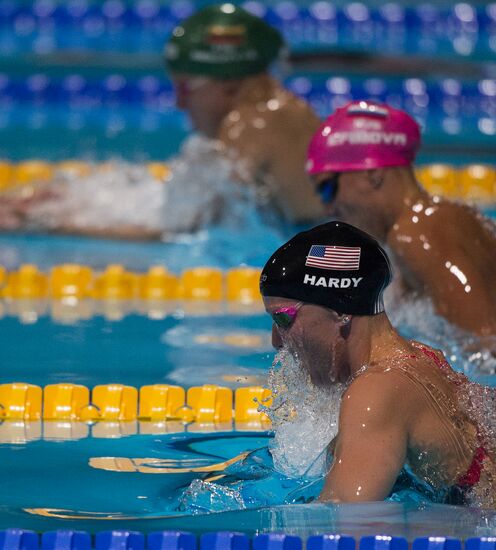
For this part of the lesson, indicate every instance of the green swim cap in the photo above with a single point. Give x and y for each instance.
(222, 41)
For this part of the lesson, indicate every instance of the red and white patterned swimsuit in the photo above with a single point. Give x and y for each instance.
(472, 476)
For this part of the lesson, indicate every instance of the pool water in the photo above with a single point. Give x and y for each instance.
(141, 475)
(188, 351)
(73, 473)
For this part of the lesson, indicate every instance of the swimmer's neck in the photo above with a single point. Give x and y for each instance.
(259, 87)
(373, 341)
(253, 90)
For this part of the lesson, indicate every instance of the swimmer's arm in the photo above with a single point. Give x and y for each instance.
(15, 204)
(371, 444)
(15, 210)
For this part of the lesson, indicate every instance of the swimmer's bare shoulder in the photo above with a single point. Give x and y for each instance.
(371, 446)
(258, 131)
(381, 387)
(272, 139)
(448, 251)
(439, 223)
(284, 116)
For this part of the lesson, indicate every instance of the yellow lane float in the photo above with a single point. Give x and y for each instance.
(117, 402)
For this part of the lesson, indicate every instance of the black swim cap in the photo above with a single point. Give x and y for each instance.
(334, 265)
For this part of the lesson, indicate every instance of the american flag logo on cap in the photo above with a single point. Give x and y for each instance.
(339, 258)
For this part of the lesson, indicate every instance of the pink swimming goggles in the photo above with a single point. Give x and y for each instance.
(284, 317)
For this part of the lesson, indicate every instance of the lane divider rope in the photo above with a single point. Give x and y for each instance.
(117, 402)
(23, 539)
(474, 182)
(74, 282)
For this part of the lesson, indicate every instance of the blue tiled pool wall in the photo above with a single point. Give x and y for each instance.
(74, 114)
(17, 539)
(465, 30)
(85, 79)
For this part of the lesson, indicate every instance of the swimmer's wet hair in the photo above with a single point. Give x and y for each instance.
(334, 265)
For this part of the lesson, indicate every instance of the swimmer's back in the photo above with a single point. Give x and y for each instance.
(449, 251)
(425, 392)
(270, 129)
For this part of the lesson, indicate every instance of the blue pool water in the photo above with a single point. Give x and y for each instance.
(81, 104)
(62, 474)
(94, 351)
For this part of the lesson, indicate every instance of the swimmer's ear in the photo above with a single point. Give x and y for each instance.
(345, 322)
(376, 178)
(231, 87)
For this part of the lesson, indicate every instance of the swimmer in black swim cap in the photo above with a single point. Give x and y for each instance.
(323, 290)
(337, 272)
(334, 265)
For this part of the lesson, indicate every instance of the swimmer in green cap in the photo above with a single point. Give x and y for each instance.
(218, 60)
(402, 403)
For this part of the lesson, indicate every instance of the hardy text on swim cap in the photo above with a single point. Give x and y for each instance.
(331, 282)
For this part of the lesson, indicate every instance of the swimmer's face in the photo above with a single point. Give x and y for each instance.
(355, 199)
(206, 100)
(313, 334)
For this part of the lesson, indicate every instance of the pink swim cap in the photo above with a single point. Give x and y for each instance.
(363, 135)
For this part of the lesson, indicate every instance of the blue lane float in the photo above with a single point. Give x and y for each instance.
(436, 543)
(117, 87)
(330, 542)
(382, 542)
(173, 540)
(276, 541)
(65, 540)
(224, 540)
(358, 520)
(18, 539)
(439, 105)
(118, 540)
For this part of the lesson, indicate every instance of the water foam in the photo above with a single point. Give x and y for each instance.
(204, 496)
(114, 195)
(479, 402)
(200, 190)
(304, 418)
(416, 319)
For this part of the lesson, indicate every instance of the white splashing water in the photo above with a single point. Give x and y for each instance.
(115, 195)
(416, 318)
(203, 496)
(123, 194)
(304, 418)
(202, 188)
